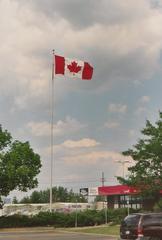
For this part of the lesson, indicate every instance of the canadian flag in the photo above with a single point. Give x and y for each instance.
(72, 68)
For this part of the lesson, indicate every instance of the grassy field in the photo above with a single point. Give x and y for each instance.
(108, 230)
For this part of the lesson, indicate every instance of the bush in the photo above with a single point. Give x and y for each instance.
(158, 206)
(85, 218)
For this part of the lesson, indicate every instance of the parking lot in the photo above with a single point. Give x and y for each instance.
(50, 235)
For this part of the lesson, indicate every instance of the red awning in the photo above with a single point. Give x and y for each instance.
(117, 190)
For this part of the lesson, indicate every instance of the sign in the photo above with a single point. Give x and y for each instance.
(93, 191)
(84, 191)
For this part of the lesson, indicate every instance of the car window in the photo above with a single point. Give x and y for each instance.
(132, 220)
(152, 220)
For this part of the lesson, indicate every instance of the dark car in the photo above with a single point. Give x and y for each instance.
(142, 226)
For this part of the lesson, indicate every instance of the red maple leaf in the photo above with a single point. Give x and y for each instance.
(73, 67)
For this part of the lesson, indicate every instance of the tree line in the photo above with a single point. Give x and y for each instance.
(59, 194)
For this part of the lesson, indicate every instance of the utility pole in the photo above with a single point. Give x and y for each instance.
(105, 197)
(103, 179)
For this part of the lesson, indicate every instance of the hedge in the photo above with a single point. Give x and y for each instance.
(57, 219)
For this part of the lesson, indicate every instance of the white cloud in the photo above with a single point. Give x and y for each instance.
(145, 99)
(117, 108)
(70, 125)
(39, 129)
(83, 143)
(141, 110)
(71, 147)
(94, 158)
(112, 125)
(46, 151)
(27, 37)
(132, 133)
(137, 83)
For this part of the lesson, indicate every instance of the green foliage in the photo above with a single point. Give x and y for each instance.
(89, 218)
(59, 194)
(99, 198)
(115, 216)
(5, 138)
(146, 174)
(56, 219)
(14, 201)
(19, 165)
(158, 206)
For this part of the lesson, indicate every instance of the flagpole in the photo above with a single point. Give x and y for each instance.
(52, 129)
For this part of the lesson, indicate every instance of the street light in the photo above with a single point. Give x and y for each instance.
(76, 211)
(76, 214)
(105, 206)
(123, 162)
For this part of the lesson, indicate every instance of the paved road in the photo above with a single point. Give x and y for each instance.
(50, 235)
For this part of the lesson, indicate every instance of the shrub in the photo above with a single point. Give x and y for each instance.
(158, 206)
(85, 218)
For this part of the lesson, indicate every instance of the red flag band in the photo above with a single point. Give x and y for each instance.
(73, 68)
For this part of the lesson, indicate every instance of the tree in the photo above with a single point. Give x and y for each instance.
(99, 198)
(15, 201)
(59, 194)
(19, 165)
(146, 174)
(1, 203)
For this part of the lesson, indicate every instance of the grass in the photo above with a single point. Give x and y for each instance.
(107, 230)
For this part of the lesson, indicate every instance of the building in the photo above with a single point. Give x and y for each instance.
(120, 196)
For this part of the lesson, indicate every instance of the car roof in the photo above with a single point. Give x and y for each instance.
(144, 214)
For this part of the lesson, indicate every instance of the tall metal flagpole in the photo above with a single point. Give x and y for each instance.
(52, 128)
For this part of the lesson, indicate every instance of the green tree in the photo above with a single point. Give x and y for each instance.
(146, 174)
(15, 201)
(19, 165)
(59, 194)
(158, 205)
(25, 200)
(99, 198)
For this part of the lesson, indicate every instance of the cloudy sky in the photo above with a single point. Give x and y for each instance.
(94, 121)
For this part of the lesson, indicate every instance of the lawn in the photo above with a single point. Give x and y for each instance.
(108, 230)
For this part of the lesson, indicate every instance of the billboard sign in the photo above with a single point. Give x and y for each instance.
(84, 191)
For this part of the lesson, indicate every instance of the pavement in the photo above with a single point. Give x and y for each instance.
(49, 233)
